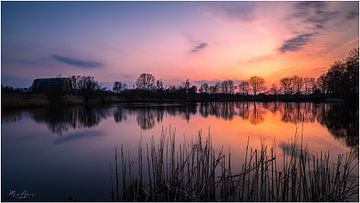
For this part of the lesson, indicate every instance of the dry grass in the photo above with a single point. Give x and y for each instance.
(165, 171)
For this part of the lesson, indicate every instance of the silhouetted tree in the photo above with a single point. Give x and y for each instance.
(186, 84)
(119, 87)
(74, 82)
(309, 85)
(193, 89)
(86, 86)
(297, 83)
(274, 90)
(159, 85)
(215, 88)
(244, 88)
(204, 88)
(145, 81)
(227, 87)
(257, 84)
(286, 85)
(322, 84)
(351, 66)
(342, 79)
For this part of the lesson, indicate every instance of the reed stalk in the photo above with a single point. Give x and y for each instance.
(197, 172)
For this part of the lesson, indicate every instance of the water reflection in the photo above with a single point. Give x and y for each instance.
(341, 120)
(60, 120)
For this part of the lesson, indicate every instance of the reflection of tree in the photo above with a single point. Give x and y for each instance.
(294, 112)
(188, 110)
(342, 121)
(12, 116)
(147, 116)
(159, 116)
(227, 110)
(204, 109)
(243, 110)
(257, 115)
(145, 119)
(119, 114)
(224, 110)
(60, 120)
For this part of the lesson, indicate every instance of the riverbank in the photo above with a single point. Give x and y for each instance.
(10, 102)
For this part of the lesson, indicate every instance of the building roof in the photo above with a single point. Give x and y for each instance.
(46, 82)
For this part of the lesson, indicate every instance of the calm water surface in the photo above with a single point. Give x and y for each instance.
(64, 153)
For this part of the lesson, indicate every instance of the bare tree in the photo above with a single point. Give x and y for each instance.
(119, 86)
(215, 88)
(274, 90)
(322, 84)
(257, 84)
(286, 85)
(145, 81)
(309, 85)
(227, 87)
(159, 85)
(187, 84)
(244, 88)
(204, 88)
(297, 83)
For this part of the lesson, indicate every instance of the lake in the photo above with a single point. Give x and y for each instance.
(63, 153)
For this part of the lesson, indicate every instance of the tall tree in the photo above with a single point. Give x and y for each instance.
(257, 84)
(351, 66)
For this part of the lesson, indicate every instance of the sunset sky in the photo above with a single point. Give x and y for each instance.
(201, 41)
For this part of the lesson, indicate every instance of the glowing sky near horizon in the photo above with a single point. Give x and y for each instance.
(201, 41)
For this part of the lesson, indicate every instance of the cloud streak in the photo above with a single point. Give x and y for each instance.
(312, 18)
(199, 47)
(261, 58)
(296, 42)
(352, 14)
(230, 12)
(76, 62)
(314, 14)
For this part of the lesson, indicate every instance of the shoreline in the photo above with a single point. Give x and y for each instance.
(40, 101)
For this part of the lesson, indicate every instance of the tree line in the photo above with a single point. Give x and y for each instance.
(340, 81)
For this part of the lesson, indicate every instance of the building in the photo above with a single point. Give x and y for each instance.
(51, 84)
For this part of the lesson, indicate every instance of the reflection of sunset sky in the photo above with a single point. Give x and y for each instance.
(33, 141)
(174, 40)
(230, 134)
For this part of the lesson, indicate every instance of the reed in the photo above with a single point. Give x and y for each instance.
(197, 172)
